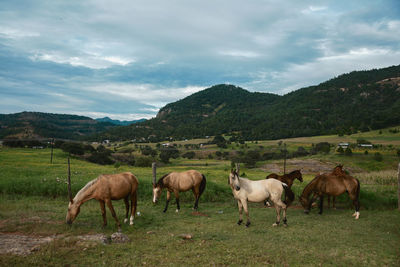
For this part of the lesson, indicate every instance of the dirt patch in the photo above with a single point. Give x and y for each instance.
(21, 244)
(307, 166)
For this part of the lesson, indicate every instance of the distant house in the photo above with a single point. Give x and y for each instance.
(365, 145)
(343, 145)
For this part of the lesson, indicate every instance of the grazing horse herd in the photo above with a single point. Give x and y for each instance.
(106, 188)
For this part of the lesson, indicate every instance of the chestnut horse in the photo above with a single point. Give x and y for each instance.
(176, 182)
(105, 188)
(331, 184)
(245, 190)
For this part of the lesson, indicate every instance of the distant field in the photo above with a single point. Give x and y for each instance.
(33, 197)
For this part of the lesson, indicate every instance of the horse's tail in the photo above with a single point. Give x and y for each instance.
(202, 185)
(289, 195)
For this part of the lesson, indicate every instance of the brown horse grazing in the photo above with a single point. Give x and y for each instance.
(287, 178)
(176, 182)
(337, 171)
(105, 188)
(331, 185)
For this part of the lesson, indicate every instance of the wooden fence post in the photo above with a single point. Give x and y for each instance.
(398, 186)
(51, 157)
(154, 168)
(284, 160)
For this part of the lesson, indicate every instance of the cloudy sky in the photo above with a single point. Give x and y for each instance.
(127, 58)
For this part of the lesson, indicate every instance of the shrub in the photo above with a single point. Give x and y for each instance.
(143, 161)
(73, 148)
(340, 150)
(189, 155)
(378, 156)
(348, 152)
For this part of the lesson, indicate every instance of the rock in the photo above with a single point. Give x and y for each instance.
(186, 236)
(119, 237)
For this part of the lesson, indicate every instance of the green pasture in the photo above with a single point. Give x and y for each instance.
(33, 201)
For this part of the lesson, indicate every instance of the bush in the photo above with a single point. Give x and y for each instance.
(189, 155)
(73, 148)
(323, 147)
(378, 156)
(348, 152)
(340, 150)
(143, 162)
(100, 158)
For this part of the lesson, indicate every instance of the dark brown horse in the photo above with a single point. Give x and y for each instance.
(105, 188)
(331, 185)
(287, 178)
(176, 182)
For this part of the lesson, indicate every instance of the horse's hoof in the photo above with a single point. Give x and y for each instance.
(164, 211)
(239, 222)
(125, 220)
(176, 210)
(275, 224)
(247, 224)
(285, 225)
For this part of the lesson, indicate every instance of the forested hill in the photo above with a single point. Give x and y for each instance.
(359, 100)
(33, 125)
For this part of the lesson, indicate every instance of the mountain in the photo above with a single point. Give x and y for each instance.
(359, 100)
(33, 125)
(118, 122)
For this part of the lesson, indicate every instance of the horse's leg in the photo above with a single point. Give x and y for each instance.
(133, 207)
(178, 207)
(246, 210)
(103, 212)
(126, 201)
(329, 202)
(356, 204)
(321, 204)
(334, 203)
(110, 206)
(166, 203)
(240, 206)
(196, 193)
(278, 214)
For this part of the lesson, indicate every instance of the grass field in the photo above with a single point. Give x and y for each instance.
(33, 202)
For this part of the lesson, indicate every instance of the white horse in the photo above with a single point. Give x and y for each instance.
(245, 190)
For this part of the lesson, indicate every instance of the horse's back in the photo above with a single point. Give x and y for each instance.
(119, 185)
(186, 180)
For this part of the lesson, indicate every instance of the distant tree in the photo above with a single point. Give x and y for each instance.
(340, 150)
(348, 152)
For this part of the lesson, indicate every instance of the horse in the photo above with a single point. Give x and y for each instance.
(287, 178)
(338, 171)
(176, 182)
(105, 188)
(331, 184)
(245, 190)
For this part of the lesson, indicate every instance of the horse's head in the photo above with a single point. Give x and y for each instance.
(233, 180)
(338, 171)
(305, 203)
(156, 192)
(73, 211)
(299, 176)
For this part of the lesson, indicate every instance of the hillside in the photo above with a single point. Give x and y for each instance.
(118, 122)
(360, 100)
(33, 125)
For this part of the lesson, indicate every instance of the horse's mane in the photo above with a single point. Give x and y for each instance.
(293, 172)
(80, 194)
(161, 180)
(311, 184)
